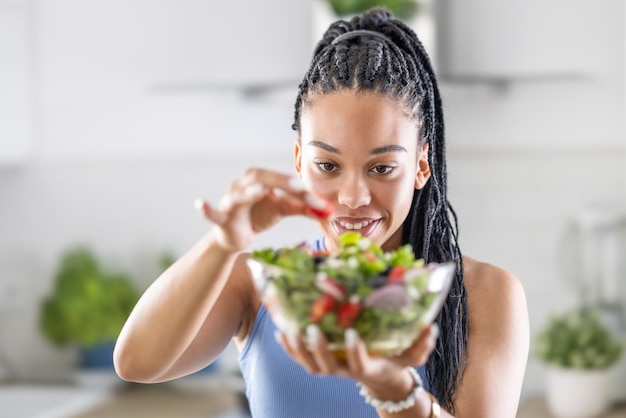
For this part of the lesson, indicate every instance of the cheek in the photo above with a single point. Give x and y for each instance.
(397, 196)
(312, 181)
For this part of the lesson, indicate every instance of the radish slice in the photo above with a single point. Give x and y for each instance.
(388, 297)
(328, 285)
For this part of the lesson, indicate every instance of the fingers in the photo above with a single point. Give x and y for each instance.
(284, 194)
(288, 186)
(418, 353)
(323, 359)
(356, 352)
(209, 212)
(295, 347)
(314, 355)
(242, 193)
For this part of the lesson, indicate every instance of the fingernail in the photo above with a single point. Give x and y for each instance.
(198, 204)
(351, 338)
(295, 183)
(312, 334)
(315, 201)
(253, 190)
(293, 339)
(435, 331)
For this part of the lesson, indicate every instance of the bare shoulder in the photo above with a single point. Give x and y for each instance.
(498, 341)
(487, 282)
(496, 298)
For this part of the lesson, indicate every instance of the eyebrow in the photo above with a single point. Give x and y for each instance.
(375, 151)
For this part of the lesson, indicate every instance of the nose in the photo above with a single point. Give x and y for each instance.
(354, 192)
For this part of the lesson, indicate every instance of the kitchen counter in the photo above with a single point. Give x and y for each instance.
(164, 401)
(206, 397)
(104, 395)
(536, 407)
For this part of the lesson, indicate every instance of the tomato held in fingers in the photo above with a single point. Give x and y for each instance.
(320, 213)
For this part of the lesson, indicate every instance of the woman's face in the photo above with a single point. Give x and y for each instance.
(359, 151)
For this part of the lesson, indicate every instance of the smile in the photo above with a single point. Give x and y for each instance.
(355, 226)
(365, 226)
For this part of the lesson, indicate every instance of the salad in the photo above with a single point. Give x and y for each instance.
(387, 297)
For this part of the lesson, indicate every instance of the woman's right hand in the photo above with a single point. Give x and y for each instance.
(255, 202)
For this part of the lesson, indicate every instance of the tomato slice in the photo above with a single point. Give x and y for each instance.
(396, 275)
(324, 304)
(348, 313)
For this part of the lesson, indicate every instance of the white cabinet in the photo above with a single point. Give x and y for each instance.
(15, 82)
(136, 78)
(500, 40)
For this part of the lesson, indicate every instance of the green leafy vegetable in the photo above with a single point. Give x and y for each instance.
(383, 295)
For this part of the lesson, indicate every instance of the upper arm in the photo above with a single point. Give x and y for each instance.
(498, 344)
(231, 317)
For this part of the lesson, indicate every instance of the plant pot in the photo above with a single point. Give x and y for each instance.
(577, 393)
(99, 356)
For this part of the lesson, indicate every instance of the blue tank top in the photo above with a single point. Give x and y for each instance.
(278, 387)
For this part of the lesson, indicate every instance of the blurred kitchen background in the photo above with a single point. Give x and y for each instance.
(116, 115)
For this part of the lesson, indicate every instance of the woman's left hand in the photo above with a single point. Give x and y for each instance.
(359, 364)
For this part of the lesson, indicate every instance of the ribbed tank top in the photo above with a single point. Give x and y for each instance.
(278, 387)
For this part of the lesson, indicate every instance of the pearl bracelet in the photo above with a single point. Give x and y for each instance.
(391, 406)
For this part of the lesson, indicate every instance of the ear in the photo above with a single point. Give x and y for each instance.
(297, 157)
(423, 168)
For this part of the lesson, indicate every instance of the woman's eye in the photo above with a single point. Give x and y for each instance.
(382, 169)
(328, 167)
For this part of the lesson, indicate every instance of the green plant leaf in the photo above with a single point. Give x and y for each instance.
(578, 339)
(88, 305)
(402, 9)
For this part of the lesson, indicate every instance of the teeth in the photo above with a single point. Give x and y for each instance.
(358, 225)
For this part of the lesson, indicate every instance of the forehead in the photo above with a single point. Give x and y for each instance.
(357, 118)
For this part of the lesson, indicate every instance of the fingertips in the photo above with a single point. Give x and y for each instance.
(323, 360)
(313, 335)
(209, 212)
(199, 205)
(317, 207)
(418, 353)
(356, 352)
(289, 342)
(254, 190)
(295, 184)
(427, 345)
(429, 340)
(434, 331)
(351, 338)
(431, 333)
(314, 205)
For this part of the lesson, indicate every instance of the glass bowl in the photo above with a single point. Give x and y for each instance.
(388, 298)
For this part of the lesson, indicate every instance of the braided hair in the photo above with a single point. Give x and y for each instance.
(393, 63)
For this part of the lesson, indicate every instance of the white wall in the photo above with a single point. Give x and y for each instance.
(123, 174)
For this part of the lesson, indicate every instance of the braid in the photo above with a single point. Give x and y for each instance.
(400, 69)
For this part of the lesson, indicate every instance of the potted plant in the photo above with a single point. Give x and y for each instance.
(88, 307)
(403, 9)
(579, 350)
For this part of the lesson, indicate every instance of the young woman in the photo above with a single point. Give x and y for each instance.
(370, 150)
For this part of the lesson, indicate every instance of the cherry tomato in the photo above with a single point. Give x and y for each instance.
(348, 313)
(396, 275)
(324, 304)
